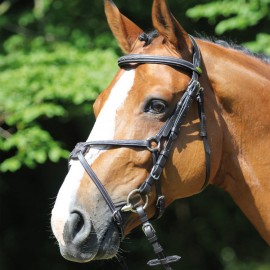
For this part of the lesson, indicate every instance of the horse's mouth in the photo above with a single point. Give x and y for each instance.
(109, 243)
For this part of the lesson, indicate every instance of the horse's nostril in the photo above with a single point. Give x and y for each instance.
(76, 223)
(77, 228)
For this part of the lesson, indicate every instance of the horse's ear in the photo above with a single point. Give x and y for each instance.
(167, 26)
(124, 30)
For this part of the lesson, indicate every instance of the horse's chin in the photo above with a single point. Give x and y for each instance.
(94, 247)
(109, 245)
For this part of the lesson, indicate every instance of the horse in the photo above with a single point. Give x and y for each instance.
(150, 144)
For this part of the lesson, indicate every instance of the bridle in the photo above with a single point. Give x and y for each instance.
(167, 135)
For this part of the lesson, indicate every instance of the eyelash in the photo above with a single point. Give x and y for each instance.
(156, 106)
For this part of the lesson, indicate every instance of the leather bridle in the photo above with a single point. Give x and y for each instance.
(165, 137)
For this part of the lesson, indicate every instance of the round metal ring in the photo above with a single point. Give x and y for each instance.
(153, 148)
(129, 197)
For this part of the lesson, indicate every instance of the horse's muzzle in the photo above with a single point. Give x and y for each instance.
(85, 239)
(81, 242)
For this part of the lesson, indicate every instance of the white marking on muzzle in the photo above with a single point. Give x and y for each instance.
(103, 129)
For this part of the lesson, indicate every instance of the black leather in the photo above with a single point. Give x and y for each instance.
(153, 59)
(116, 215)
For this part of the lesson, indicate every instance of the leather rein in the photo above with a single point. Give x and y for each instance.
(167, 134)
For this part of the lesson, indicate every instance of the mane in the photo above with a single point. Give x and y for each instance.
(232, 45)
(150, 36)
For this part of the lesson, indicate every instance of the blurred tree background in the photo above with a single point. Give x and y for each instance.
(56, 56)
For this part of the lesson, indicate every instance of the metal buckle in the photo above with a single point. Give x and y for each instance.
(148, 230)
(156, 177)
(200, 90)
(194, 88)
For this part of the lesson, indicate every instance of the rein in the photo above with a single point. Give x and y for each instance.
(168, 133)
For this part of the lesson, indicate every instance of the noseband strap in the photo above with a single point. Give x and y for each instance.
(167, 135)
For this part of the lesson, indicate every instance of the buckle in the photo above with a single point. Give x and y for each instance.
(156, 171)
(194, 88)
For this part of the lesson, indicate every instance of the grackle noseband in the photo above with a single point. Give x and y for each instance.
(167, 134)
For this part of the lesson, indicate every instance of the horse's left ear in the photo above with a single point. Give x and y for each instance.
(167, 26)
(124, 30)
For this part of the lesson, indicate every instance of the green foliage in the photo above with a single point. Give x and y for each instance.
(231, 15)
(49, 64)
(261, 44)
(40, 85)
(34, 145)
(231, 262)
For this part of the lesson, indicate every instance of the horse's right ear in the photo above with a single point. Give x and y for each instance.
(167, 26)
(124, 30)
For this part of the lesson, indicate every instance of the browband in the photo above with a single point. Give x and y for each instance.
(165, 60)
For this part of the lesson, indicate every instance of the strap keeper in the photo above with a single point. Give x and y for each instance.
(199, 70)
(146, 186)
(160, 205)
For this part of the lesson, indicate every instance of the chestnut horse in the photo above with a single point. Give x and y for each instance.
(140, 100)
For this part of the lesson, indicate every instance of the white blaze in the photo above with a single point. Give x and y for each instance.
(103, 129)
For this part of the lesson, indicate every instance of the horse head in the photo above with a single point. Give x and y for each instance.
(135, 107)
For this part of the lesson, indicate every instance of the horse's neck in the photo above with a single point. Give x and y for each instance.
(242, 87)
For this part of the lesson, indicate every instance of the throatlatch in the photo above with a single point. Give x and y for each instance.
(167, 135)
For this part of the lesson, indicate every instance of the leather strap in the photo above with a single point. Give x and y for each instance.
(116, 215)
(150, 233)
(203, 134)
(153, 59)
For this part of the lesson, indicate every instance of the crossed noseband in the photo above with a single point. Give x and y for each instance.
(167, 134)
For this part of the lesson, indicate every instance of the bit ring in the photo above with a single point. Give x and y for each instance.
(129, 206)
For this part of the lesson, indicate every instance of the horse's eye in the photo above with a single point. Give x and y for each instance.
(156, 106)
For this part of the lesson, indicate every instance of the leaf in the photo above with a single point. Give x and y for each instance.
(40, 85)
(11, 164)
